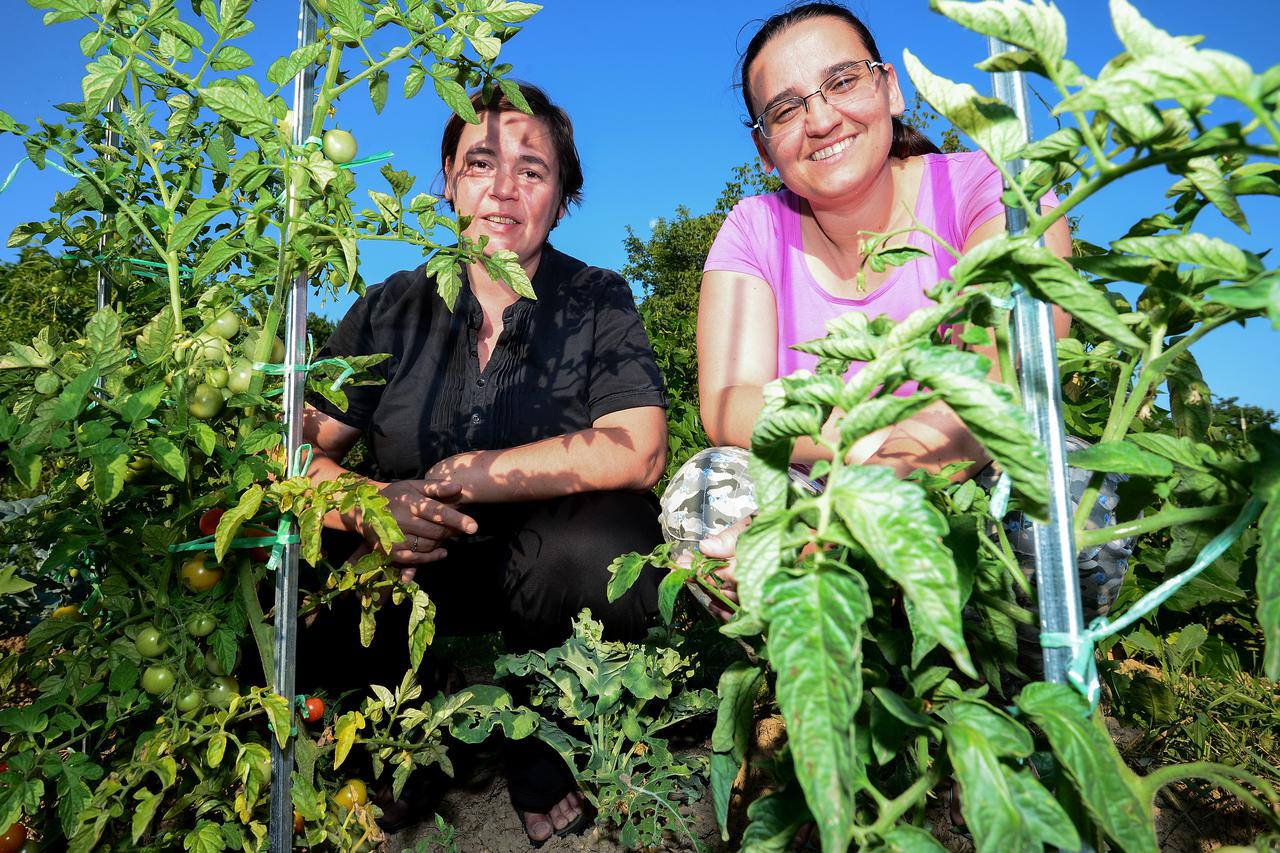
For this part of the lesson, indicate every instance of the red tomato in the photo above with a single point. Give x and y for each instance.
(13, 839)
(209, 521)
(255, 531)
(315, 709)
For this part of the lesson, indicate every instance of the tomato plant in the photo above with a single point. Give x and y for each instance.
(149, 642)
(157, 680)
(339, 146)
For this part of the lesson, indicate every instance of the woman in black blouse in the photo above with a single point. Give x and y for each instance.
(516, 440)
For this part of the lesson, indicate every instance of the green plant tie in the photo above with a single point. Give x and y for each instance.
(279, 370)
(137, 262)
(315, 142)
(14, 171)
(1082, 672)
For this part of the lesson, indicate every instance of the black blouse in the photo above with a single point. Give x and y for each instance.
(575, 354)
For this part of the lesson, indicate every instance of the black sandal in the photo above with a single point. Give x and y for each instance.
(537, 779)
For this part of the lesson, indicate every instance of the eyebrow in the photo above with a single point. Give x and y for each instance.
(788, 94)
(482, 149)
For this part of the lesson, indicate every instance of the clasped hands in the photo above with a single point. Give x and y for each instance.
(426, 511)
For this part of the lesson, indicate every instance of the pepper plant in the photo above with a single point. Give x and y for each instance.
(883, 609)
(188, 195)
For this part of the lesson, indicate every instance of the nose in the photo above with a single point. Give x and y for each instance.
(819, 116)
(504, 184)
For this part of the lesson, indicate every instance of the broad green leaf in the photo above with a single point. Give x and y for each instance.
(1051, 279)
(1177, 449)
(205, 838)
(242, 105)
(1120, 457)
(104, 80)
(1139, 36)
(379, 84)
(203, 436)
(231, 58)
(155, 340)
(514, 95)
(345, 729)
(456, 98)
(893, 521)
(624, 571)
(1194, 75)
(286, 68)
(759, 555)
(1036, 26)
(1268, 584)
(988, 122)
(103, 337)
(879, 412)
(775, 819)
(991, 414)
(504, 12)
(9, 584)
(815, 647)
(1006, 809)
(422, 627)
(669, 591)
(280, 713)
(197, 216)
(229, 524)
(1113, 794)
(506, 265)
(71, 400)
(413, 81)
(1211, 253)
(735, 717)
(905, 838)
(108, 475)
(1258, 294)
(1208, 178)
(1190, 403)
(167, 455)
(848, 336)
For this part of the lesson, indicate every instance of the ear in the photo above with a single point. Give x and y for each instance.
(448, 180)
(765, 160)
(897, 104)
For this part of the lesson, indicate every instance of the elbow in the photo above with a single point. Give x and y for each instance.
(652, 464)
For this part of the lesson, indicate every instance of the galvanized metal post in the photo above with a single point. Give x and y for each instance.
(1057, 583)
(103, 296)
(295, 340)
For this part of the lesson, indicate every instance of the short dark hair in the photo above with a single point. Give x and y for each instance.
(557, 120)
(907, 141)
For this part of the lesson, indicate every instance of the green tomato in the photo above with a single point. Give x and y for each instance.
(221, 690)
(201, 625)
(150, 643)
(353, 791)
(213, 666)
(216, 377)
(227, 326)
(157, 680)
(206, 402)
(210, 347)
(250, 346)
(189, 701)
(240, 376)
(339, 146)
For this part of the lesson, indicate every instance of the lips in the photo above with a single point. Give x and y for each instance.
(831, 150)
(499, 219)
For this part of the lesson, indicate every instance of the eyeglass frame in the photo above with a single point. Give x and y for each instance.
(758, 123)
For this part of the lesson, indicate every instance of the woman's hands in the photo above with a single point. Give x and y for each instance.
(724, 546)
(426, 513)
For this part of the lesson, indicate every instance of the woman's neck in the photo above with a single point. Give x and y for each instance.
(876, 209)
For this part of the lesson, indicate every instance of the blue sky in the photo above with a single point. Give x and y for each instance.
(650, 90)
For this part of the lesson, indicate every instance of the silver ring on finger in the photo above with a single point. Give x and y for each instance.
(414, 546)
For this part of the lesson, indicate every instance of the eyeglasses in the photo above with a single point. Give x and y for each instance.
(854, 82)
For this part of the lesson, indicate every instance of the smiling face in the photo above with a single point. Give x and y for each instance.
(505, 176)
(834, 151)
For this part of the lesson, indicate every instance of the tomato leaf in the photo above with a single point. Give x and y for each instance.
(624, 571)
(9, 584)
(452, 93)
(71, 400)
(815, 646)
(105, 79)
(1210, 253)
(379, 83)
(286, 68)
(991, 124)
(168, 457)
(1113, 794)
(669, 589)
(143, 813)
(215, 749)
(735, 716)
(280, 712)
(345, 729)
(893, 521)
(156, 338)
(1120, 457)
(413, 81)
(1006, 808)
(1037, 27)
(243, 105)
(229, 524)
(205, 838)
(422, 627)
(108, 474)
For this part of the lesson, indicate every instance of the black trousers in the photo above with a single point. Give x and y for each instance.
(527, 572)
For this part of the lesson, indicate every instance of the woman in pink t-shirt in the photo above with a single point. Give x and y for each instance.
(824, 112)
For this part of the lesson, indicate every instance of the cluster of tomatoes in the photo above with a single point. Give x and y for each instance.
(221, 372)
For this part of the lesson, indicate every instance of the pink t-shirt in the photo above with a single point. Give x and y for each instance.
(761, 237)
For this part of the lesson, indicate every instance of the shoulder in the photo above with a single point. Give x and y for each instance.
(570, 275)
(766, 208)
(964, 169)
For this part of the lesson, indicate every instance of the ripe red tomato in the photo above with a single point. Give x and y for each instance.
(315, 709)
(13, 839)
(255, 531)
(209, 521)
(198, 577)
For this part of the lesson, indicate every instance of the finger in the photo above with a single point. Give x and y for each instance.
(407, 574)
(442, 490)
(446, 516)
(428, 552)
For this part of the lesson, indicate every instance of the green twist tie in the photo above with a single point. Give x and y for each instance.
(1082, 671)
(279, 370)
(365, 161)
(137, 262)
(312, 142)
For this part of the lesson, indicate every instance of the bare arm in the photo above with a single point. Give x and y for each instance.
(623, 450)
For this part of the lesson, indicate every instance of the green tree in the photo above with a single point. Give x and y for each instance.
(40, 290)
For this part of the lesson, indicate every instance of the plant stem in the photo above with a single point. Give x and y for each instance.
(1139, 526)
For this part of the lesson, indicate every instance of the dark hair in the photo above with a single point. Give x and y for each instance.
(557, 120)
(907, 141)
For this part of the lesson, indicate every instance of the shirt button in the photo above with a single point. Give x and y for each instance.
(480, 382)
(475, 419)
